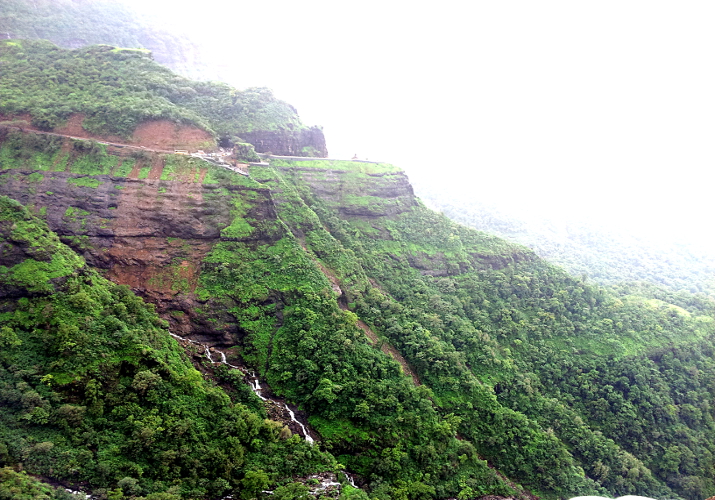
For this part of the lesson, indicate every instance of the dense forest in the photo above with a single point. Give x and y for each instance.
(430, 359)
(94, 390)
(607, 255)
(561, 386)
(74, 24)
(117, 89)
(605, 383)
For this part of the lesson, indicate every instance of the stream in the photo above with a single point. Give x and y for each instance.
(253, 382)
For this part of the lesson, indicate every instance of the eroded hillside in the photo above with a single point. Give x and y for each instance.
(124, 96)
(96, 393)
(300, 268)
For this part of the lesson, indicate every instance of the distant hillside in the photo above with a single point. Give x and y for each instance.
(77, 23)
(112, 92)
(606, 255)
(423, 355)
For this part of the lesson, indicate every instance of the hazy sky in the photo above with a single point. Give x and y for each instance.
(604, 108)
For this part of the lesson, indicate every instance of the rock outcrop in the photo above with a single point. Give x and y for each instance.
(358, 194)
(303, 142)
(151, 235)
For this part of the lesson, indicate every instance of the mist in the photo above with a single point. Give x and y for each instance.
(567, 109)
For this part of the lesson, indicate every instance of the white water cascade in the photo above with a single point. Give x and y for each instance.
(257, 389)
(255, 385)
(350, 479)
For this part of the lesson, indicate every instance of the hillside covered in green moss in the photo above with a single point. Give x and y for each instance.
(428, 359)
(115, 90)
(74, 24)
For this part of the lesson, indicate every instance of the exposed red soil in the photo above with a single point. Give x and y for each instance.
(157, 166)
(155, 134)
(163, 134)
(74, 128)
(134, 174)
(160, 267)
(19, 118)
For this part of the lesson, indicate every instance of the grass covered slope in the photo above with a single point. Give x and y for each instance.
(117, 89)
(318, 276)
(562, 386)
(73, 24)
(95, 391)
(368, 413)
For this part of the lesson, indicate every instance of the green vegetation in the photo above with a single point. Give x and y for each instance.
(92, 158)
(86, 182)
(19, 486)
(123, 168)
(118, 89)
(46, 262)
(552, 379)
(369, 414)
(93, 388)
(39, 152)
(562, 386)
(181, 168)
(70, 24)
(347, 166)
(30, 151)
(606, 255)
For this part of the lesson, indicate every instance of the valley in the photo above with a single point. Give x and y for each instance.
(173, 329)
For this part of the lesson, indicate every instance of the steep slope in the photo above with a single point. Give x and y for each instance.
(95, 391)
(258, 291)
(473, 311)
(553, 382)
(605, 254)
(123, 95)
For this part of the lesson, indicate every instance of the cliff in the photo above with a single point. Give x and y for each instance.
(131, 218)
(303, 142)
(95, 391)
(122, 95)
(343, 292)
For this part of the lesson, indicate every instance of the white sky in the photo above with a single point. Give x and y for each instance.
(603, 108)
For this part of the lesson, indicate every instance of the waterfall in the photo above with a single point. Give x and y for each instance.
(255, 385)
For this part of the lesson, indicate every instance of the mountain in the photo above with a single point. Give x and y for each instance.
(431, 360)
(124, 96)
(74, 24)
(608, 255)
(150, 301)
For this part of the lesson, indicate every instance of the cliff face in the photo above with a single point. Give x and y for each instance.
(283, 266)
(147, 233)
(356, 189)
(303, 142)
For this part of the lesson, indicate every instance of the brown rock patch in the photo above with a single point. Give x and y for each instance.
(156, 134)
(73, 128)
(163, 134)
